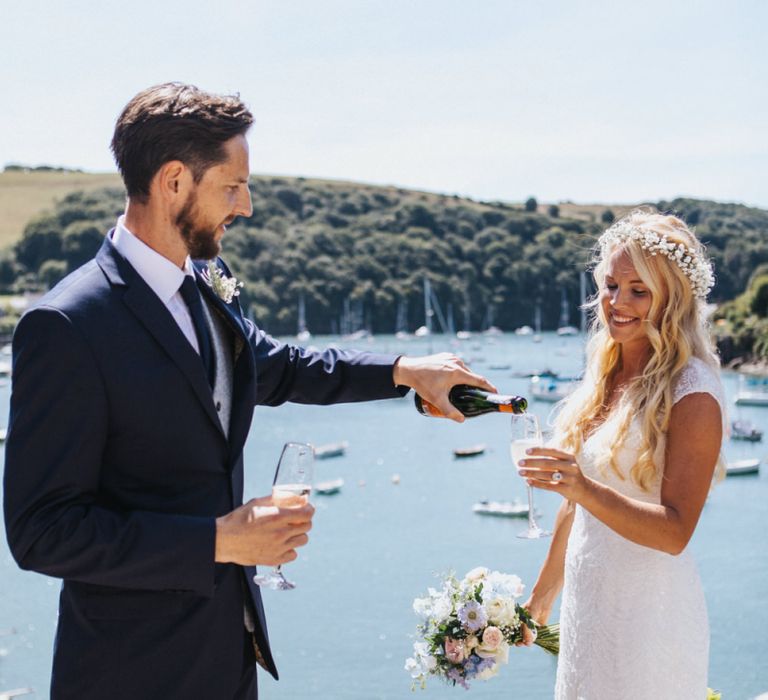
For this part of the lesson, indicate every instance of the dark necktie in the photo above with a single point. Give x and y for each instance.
(194, 301)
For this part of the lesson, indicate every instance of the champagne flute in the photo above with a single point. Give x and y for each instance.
(290, 489)
(527, 433)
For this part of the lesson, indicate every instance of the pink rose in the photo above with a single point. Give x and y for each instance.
(492, 637)
(454, 650)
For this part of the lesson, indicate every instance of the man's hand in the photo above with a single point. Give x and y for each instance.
(259, 532)
(433, 376)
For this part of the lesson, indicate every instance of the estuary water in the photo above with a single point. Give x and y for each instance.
(404, 517)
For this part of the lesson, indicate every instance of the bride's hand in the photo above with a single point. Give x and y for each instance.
(540, 615)
(554, 470)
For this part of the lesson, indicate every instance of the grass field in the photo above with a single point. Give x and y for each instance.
(23, 195)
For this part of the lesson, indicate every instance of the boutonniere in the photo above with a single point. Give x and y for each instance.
(226, 288)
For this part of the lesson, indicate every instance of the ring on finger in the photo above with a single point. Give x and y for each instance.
(557, 476)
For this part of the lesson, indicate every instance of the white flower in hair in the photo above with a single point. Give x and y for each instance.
(693, 264)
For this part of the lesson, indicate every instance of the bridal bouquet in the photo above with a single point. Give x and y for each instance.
(468, 626)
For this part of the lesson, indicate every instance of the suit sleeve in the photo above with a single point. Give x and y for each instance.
(55, 522)
(290, 373)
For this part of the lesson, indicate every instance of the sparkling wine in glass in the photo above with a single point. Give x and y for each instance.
(527, 433)
(290, 489)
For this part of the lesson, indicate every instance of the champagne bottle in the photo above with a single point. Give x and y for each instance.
(473, 401)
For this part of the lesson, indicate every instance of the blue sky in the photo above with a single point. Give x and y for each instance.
(585, 101)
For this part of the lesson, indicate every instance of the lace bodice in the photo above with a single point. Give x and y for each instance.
(698, 377)
(633, 619)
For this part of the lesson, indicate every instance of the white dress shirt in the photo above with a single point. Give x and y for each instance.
(162, 276)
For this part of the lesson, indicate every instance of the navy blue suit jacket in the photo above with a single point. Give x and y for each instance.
(117, 466)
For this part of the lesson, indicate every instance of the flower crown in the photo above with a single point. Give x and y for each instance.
(693, 263)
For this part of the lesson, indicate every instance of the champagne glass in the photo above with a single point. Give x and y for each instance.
(527, 433)
(290, 489)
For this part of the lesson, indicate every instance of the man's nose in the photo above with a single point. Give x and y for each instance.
(244, 203)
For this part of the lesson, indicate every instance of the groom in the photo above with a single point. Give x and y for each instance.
(134, 383)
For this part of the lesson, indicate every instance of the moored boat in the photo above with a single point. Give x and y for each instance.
(333, 449)
(501, 509)
(753, 391)
(474, 451)
(328, 488)
(745, 430)
(743, 467)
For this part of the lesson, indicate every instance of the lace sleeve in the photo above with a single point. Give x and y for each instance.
(698, 378)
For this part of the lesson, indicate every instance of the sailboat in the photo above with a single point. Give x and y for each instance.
(302, 334)
(537, 323)
(401, 323)
(426, 329)
(465, 333)
(565, 327)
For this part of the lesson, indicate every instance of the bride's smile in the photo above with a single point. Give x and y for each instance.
(625, 300)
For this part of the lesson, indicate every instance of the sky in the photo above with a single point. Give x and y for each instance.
(563, 100)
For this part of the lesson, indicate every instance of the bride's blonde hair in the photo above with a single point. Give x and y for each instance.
(676, 330)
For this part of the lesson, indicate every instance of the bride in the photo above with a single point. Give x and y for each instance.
(640, 443)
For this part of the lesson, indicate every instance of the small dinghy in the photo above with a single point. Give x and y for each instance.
(463, 452)
(334, 449)
(745, 430)
(501, 509)
(328, 488)
(743, 467)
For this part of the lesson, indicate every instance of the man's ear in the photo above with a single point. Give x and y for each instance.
(172, 182)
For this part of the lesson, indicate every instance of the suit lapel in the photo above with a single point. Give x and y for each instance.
(159, 322)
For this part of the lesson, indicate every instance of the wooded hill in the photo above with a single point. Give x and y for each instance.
(367, 249)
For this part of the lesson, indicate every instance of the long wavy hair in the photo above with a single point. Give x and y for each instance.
(676, 329)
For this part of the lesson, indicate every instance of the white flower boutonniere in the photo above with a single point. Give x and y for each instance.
(226, 288)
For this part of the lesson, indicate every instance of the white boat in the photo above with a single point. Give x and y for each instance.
(17, 692)
(422, 332)
(746, 431)
(501, 509)
(302, 335)
(550, 389)
(463, 452)
(524, 330)
(743, 467)
(328, 488)
(463, 335)
(333, 449)
(753, 391)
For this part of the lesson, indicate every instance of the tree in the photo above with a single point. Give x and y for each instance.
(554, 211)
(608, 217)
(531, 204)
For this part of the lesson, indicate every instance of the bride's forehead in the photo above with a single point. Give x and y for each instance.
(619, 264)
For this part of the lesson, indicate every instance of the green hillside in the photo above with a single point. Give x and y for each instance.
(358, 254)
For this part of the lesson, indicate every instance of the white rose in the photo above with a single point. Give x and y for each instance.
(476, 574)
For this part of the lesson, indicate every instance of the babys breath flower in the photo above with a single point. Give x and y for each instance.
(226, 288)
(472, 616)
(693, 264)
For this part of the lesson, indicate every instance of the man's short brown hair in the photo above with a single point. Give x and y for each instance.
(174, 121)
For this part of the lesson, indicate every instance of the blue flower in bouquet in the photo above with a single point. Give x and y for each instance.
(472, 616)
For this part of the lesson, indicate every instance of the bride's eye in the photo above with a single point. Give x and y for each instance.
(639, 292)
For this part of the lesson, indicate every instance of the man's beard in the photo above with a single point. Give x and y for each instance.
(200, 239)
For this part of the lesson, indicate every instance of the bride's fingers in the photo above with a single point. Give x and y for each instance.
(550, 452)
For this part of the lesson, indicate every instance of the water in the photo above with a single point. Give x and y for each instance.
(344, 633)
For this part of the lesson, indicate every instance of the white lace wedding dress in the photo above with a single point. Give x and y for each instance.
(633, 620)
